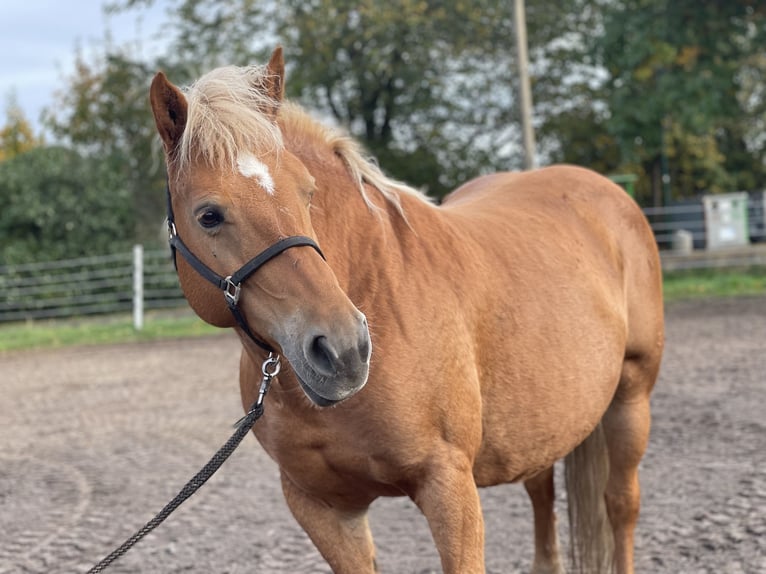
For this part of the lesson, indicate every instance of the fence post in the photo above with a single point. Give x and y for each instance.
(138, 287)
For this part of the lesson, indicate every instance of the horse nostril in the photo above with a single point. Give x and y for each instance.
(323, 356)
(364, 348)
(333, 357)
(365, 344)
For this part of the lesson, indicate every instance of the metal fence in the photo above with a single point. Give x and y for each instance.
(714, 231)
(122, 282)
(140, 280)
(698, 217)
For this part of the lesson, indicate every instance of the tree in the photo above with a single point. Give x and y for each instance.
(425, 84)
(416, 79)
(104, 114)
(649, 87)
(674, 87)
(571, 102)
(59, 204)
(16, 136)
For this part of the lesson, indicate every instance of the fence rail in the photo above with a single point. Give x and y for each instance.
(124, 282)
(89, 285)
(691, 217)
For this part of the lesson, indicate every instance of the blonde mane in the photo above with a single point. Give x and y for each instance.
(225, 115)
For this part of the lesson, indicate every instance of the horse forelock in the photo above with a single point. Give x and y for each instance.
(226, 117)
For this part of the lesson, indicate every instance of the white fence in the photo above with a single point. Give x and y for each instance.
(122, 282)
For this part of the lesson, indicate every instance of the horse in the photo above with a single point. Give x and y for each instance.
(430, 349)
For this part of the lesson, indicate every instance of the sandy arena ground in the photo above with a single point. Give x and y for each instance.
(94, 441)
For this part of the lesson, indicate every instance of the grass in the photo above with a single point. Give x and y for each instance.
(101, 330)
(700, 283)
(678, 285)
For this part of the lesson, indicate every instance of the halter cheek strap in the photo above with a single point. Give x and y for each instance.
(231, 285)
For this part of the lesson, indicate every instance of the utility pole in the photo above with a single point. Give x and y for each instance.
(520, 25)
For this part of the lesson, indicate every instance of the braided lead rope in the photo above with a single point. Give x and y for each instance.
(270, 369)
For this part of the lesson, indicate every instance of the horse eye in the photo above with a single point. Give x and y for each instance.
(210, 218)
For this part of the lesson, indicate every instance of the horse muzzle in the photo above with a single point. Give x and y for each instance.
(332, 365)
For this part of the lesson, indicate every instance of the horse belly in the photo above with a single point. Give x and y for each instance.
(544, 401)
(518, 456)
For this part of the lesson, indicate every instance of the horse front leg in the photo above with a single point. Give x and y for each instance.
(449, 499)
(342, 536)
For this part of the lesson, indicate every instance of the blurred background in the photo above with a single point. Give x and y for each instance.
(666, 97)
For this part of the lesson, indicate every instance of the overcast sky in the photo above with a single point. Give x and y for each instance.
(38, 40)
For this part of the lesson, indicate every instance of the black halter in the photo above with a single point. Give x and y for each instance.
(231, 284)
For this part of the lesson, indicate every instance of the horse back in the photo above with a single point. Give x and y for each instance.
(571, 213)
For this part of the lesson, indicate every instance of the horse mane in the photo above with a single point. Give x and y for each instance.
(226, 115)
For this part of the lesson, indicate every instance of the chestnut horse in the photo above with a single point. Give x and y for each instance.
(518, 323)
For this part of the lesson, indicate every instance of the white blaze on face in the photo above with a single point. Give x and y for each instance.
(251, 166)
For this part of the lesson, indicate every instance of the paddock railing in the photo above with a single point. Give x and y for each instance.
(713, 231)
(122, 282)
(145, 279)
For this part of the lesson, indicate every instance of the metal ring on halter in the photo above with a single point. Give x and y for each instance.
(273, 363)
(270, 369)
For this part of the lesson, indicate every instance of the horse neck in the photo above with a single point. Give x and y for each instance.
(364, 246)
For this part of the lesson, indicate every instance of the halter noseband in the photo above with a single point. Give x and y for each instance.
(232, 284)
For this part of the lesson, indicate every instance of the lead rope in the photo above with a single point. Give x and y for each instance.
(270, 369)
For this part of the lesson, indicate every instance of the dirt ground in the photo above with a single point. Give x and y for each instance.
(94, 441)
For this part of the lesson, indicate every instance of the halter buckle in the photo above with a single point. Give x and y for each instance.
(231, 291)
(171, 230)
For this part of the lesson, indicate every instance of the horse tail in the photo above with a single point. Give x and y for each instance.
(591, 541)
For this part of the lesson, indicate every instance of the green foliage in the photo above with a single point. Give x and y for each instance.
(676, 89)
(16, 135)
(425, 84)
(58, 204)
(104, 114)
(568, 84)
(623, 86)
(408, 77)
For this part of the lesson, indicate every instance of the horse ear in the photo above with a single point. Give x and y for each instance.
(169, 108)
(274, 80)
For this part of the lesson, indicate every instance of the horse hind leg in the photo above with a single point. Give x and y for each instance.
(602, 475)
(626, 428)
(541, 492)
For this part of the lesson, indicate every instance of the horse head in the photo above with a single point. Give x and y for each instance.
(234, 190)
